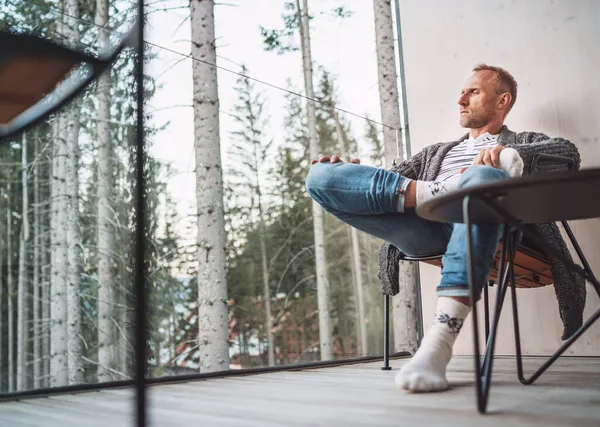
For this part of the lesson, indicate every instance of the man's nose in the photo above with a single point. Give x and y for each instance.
(462, 100)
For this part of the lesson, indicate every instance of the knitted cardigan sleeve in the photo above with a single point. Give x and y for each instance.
(531, 143)
(413, 168)
(409, 168)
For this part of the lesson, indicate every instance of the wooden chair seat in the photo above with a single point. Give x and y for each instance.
(532, 268)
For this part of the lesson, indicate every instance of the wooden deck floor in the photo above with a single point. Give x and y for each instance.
(354, 395)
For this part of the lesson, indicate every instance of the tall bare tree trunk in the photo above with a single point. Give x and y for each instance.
(320, 261)
(9, 261)
(388, 86)
(107, 333)
(37, 238)
(124, 329)
(212, 285)
(73, 232)
(74, 250)
(59, 368)
(22, 291)
(267, 297)
(265, 267)
(405, 308)
(46, 254)
(356, 257)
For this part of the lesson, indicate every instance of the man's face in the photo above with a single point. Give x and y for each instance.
(478, 100)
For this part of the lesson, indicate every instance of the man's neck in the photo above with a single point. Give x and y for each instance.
(491, 128)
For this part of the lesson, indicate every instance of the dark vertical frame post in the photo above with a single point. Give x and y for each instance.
(141, 353)
(386, 333)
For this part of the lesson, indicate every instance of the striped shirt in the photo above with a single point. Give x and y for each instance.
(462, 155)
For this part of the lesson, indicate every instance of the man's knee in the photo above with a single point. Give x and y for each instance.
(479, 174)
(317, 180)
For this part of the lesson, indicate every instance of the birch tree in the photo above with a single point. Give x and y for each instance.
(46, 254)
(59, 263)
(73, 233)
(212, 284)
(22, 291)
(405, 310)
(320, 261)
(59, 368)
(74, 255)
(37, 247)
(107, 333)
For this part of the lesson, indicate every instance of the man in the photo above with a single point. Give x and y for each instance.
(382, 202)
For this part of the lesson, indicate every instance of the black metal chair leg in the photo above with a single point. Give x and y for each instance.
(588, 274)
(486, 309)
(481, 389)
(483, 382)
(556, 355)
(502, 287)
(483, 372)
(386, 333)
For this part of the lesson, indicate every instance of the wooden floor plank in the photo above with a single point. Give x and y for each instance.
(352, 395)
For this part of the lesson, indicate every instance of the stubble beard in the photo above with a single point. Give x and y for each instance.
(476, 120)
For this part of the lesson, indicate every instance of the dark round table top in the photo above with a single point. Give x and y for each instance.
(530, 199)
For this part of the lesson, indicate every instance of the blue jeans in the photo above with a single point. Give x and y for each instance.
(365, 198)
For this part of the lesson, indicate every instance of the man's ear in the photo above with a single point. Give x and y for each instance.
(504, 101)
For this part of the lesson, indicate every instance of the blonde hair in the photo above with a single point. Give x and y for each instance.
(505, 82)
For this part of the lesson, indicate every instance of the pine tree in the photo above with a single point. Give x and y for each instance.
(250, 158)
(297, 19)
(376, 156)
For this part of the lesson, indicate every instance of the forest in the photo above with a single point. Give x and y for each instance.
(259, 276)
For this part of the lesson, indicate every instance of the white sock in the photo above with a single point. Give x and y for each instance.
(426, 371)
(427, 190)
(509, 161)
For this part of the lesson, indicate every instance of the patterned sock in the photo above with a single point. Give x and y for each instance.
(509, 161)
(427, 190)
(426, 371)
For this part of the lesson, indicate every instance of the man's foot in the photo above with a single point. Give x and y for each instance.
(426, 371)
(511, 162)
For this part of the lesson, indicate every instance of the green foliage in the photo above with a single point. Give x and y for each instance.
(290, 243)
(342, 12)
(372, 133)
(283, 40)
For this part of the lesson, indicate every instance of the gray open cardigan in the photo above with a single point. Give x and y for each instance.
(425, 165)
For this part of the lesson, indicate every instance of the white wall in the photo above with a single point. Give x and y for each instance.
(552, 48)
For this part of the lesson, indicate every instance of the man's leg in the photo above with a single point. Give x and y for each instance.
(426, 371)
(366, 198)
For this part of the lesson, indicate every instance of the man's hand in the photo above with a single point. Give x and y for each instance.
(489, 157)
(334, 159)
